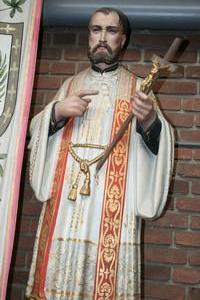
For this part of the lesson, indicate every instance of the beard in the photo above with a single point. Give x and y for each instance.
(109, 57)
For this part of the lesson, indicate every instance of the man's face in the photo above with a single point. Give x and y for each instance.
(106, 39)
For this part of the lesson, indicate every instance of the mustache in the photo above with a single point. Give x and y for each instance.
(99, 45)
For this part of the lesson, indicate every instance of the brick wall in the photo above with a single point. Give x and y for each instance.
(171, 248)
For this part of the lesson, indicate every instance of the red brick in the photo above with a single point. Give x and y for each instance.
(164, 291)
(28, 193)
(158, 236)
(63, 68)
(76, 54)
(42, 67)
(188, 204)
(194, 293)
(179, 187)
(188, 57)
(15, 293)
(183, 153)
(172, 220)
(193, 41)
(195, 187)
(191, 239)
(25, 224)
(20, 276)
(193, 72)
(45, 38)
(165, 255)
(32, 209)
(152, 40)
(197, 121)
(188, 170)
(156, 272)
(35, 110)
(26, 243)
(194, 258)
(191, 104)
(175, 87)
(29, 257)
(82, 38)
(180, 120)
(20, 260)
(189, 136)
(34, 225)
(44, 82)
(28, 189)
(50, 53)
(38, 97)
(195, 222)
(132, 55)
(196, 153)
(169, 102)
(188, 276)
(64, 38)
(49, 95)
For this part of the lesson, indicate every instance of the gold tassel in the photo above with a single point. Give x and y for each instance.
(85, 190)
(84, 168)
(73, 193)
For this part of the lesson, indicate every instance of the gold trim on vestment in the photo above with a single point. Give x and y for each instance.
(112, 211)
(84, 168)
(113, 205)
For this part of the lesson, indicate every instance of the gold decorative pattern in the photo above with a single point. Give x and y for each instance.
(112, 212)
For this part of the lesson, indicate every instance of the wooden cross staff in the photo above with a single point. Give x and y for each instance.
(158, 65)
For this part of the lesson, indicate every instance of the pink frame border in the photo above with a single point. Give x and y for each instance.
(19, 154)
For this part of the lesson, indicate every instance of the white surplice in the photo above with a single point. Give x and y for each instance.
(73, 255)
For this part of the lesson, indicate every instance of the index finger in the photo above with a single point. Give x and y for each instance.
(83, 93)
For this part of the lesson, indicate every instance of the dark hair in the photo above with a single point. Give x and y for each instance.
(123, 21)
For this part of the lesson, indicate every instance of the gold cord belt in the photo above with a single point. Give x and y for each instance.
(84, 168)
